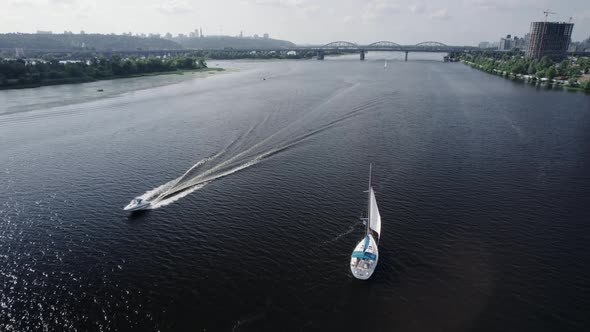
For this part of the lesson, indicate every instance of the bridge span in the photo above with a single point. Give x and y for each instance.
(386, 46)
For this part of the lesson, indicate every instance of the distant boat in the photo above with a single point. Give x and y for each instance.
(365, 256)
(100, 90)
(385, 64)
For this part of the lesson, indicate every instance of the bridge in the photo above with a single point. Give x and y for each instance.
(386, 46)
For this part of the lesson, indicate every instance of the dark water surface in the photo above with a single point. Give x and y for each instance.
(483, 186)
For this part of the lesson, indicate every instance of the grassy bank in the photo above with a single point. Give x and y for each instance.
(23, 73)
(570, 74)
(78, 80)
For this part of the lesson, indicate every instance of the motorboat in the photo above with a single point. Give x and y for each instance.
(137, 204)
(365, 255)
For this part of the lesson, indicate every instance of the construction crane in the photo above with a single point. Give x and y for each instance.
(547, 12)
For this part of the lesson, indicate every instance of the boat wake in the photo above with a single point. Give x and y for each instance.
(243, 152)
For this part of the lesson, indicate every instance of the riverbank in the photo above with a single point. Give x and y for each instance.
(583, 86)
(78, 80)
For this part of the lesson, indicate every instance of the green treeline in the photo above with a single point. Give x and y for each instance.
(515, 64)
(237, 54)
(19, 73)
(60, 42)
(220, 42)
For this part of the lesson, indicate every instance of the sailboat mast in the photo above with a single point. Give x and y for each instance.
(369, 202)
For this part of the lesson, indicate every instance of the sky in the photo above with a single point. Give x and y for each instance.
(453, 22)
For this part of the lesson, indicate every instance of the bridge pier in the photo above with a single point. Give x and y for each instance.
(320, 55)
(362, 55)
(406, 56)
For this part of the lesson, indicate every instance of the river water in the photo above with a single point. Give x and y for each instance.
(483, 186)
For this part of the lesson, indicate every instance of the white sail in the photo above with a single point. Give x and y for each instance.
(375, 222)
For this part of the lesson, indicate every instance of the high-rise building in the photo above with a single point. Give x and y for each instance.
(19, 53)
(520, 43)
(549, 39)
(265, 36)
(484, 44)
(505, 44)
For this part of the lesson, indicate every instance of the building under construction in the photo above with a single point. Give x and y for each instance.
(549, 39)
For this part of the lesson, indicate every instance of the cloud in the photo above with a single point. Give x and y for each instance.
(417, 8)
(174, 7)
(62, 2)
(375, 9)
(584, 15)
(282, 3)
(420, 8)
(439, 14)
(501, 4)
(301, 9)
(21, 3)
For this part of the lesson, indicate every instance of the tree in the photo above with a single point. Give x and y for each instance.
(129, 67)
(550, 72)
(545, 63)
(540, 74)
(74, 69)
(573, 71)
(563, 67)
(116, 65)
(586, 85)
(519, 68)
(532, 68)
(573, 81)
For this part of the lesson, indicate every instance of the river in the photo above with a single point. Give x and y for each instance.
(483, 186)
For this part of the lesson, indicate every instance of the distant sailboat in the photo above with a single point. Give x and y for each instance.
(385, 64)
(363, 260)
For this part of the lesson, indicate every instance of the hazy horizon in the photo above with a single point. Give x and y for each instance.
(457, 22)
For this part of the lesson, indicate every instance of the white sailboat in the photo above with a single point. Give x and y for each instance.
(365, 256)
(385, 64)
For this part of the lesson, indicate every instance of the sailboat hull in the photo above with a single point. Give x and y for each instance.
(364, 258)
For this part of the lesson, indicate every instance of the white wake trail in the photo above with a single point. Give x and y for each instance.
(196, 178)
(173, 198)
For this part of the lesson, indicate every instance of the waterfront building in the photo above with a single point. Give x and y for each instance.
(550, 39)
(19, 52)
(520, 43)
(505, 44)
(484, 44)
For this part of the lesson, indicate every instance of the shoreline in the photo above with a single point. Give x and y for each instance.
(528, 79)
(80, 80)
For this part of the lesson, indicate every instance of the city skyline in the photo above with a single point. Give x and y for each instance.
(458, 22)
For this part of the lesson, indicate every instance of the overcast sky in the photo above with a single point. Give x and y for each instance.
(457, 22)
